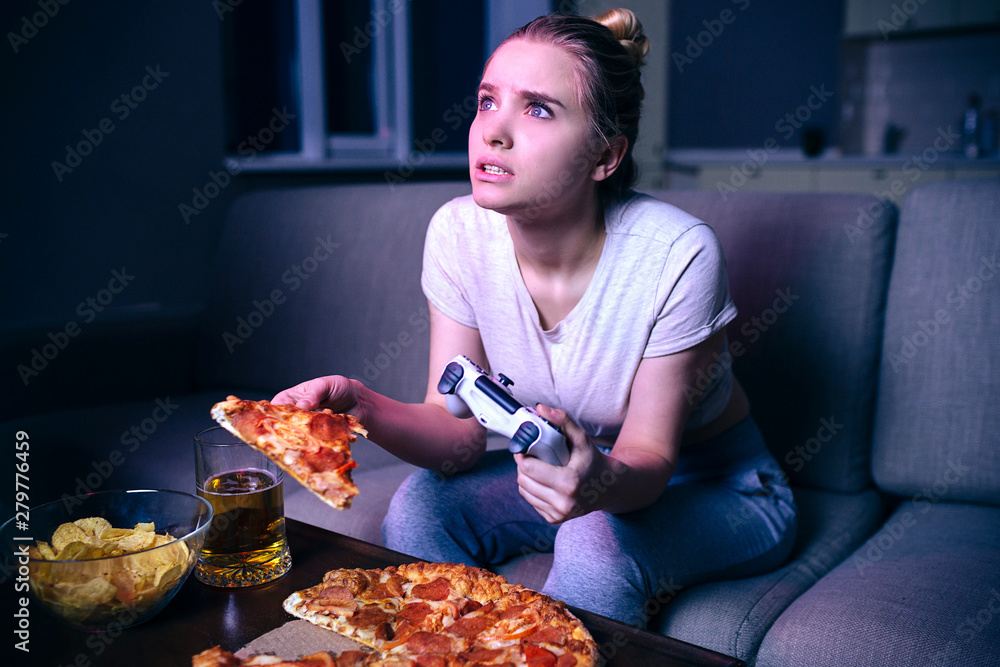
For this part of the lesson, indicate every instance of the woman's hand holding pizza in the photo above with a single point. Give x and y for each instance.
(330, 391)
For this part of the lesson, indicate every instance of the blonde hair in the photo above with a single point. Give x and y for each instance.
(625, 27)
(609, 51)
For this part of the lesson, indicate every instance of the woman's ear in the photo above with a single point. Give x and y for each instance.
(610, 159)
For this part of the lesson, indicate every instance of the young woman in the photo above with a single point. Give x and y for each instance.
(608, 308)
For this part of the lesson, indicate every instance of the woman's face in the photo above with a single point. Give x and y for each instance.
(529, 146)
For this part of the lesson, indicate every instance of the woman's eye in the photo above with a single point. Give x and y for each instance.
(486, 104)
(539, 111)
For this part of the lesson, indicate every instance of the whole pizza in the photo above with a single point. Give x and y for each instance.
(432, 615)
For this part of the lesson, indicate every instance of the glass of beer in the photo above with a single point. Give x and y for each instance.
(245, 545)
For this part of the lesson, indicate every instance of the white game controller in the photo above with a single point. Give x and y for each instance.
(471, 392)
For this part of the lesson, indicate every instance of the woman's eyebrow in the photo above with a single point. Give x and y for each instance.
(534, 96)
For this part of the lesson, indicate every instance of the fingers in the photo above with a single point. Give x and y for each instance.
(555, 491)
(541, 507)
(288, 397)
(553, 506)
(580, 454)
(296, 396)
(561, 420)
(554, 416)
(309, 395)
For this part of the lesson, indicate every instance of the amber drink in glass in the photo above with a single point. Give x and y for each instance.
(246, 544)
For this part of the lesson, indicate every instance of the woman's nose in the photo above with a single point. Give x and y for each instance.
(496, 134)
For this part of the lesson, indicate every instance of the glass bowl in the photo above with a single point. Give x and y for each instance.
(117, 590)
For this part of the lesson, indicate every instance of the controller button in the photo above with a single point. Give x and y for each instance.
(504, 380)
(453, 372)
(498, 394)
(524, 437)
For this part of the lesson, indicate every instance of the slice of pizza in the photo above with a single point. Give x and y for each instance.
(313, 447)
(218, 657)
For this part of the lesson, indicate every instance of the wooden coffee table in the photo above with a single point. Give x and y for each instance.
(200, 617)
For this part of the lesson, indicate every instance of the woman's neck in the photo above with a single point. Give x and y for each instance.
(557, 257)
(563, 242)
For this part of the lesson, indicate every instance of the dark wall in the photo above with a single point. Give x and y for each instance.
(113, 201)
(738, 67)
(65, 229)
(98, 263)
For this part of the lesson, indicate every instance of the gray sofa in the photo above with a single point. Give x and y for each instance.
(868, 340)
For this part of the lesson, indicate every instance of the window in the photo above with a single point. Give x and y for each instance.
(359, 84)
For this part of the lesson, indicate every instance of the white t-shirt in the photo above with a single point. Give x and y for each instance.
(660, 287)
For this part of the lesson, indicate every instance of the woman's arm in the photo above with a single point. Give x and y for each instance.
(424, 434)
(644, 456)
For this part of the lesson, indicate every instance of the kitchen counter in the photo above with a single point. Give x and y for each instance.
(695, 157)
(768, 168)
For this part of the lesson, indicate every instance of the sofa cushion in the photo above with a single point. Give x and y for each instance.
(733, 616)
(529, 570)
(924, 590)
(376, 486)
(322, 280)
(809, 275)
(937, 428)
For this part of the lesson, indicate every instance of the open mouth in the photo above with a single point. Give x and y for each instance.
(493, 169)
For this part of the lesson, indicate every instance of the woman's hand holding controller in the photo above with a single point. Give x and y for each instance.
(560, 493)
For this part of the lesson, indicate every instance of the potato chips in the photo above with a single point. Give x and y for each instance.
(93, 537)
(67, 573)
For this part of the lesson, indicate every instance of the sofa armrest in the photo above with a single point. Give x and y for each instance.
(131, 356)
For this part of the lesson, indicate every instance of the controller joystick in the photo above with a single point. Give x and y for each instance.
(457, 407)
(472, 392)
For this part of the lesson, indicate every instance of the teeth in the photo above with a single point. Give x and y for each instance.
(493, 169)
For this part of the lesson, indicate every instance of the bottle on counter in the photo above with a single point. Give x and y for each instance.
(971, 127)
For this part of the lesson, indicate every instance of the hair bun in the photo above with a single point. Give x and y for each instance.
(627, 29)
